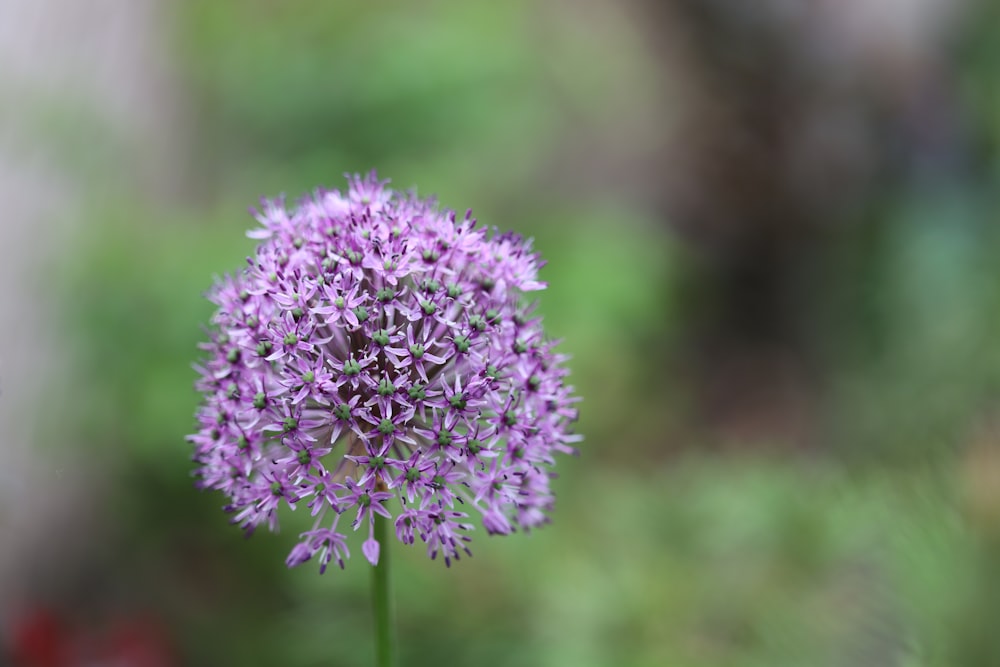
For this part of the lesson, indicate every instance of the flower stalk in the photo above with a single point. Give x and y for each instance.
(382, 603)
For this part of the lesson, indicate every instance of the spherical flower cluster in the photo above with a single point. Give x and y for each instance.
(378, 347)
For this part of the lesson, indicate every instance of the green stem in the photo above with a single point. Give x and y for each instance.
(382, 599)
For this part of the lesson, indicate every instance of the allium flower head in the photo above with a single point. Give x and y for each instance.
(378, 347)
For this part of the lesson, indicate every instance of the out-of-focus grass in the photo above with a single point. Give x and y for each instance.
(918, 368)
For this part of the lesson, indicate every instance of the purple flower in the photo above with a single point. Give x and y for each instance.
(377, 356)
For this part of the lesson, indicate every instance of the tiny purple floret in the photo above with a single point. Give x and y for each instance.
(377, 348)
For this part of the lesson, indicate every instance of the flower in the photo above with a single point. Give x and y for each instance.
(377, 347)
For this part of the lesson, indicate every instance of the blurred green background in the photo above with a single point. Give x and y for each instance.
(772, 244)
